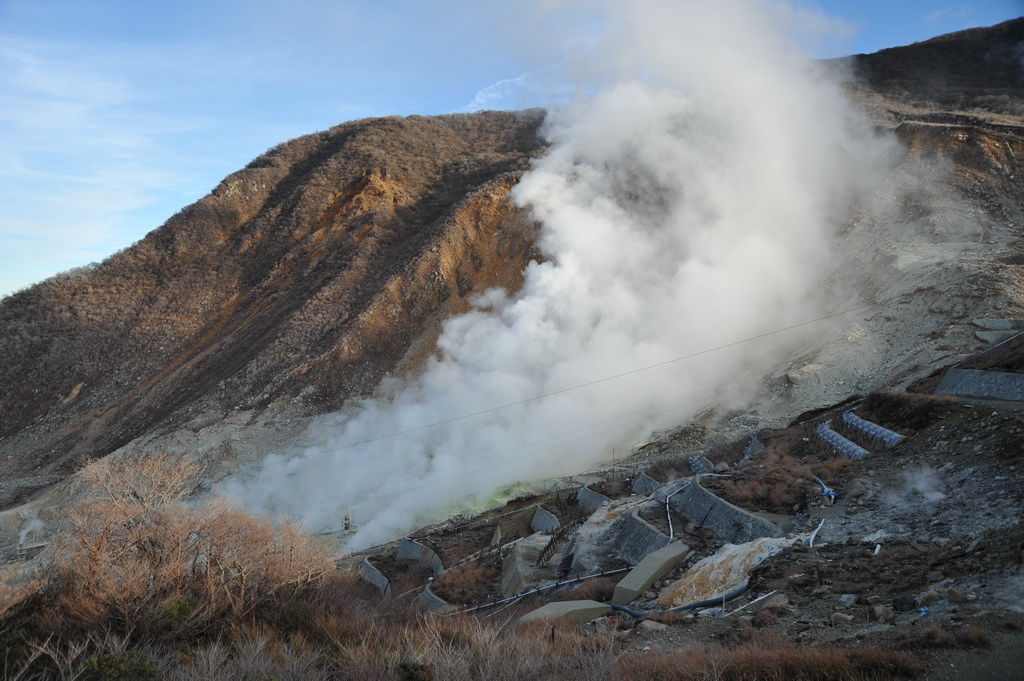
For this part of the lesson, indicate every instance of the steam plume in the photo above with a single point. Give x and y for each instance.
(686, 204)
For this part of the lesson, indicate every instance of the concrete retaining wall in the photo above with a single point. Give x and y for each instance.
(633, 539)
(544, 521)
(589, 499)
(512, 574)
(996, 385)
(428, 600)
(753, 448)
(414, 551)
(647, 571)
(644, 484)
(729, 522)
(701, 465)
(848, 447)
(370, 574)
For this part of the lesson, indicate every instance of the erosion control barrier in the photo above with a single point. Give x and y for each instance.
(996, 385)
(414, 551)
(874, 431)
(633, 539)
(729, 522)
(428, 600)
(589, 499)
(644, 484)
(701, 465)
(848, 447)
(577, 611)
(544, 521)
(649, 570)
(371, 575)
(753, 448)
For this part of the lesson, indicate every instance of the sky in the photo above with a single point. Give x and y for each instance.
(116, 114)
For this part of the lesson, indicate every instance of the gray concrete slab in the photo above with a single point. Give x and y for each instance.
(998, 385)
(999, 324)
(577, 611)
(649, 570)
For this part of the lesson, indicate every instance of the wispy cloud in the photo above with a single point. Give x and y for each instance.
(542, 87)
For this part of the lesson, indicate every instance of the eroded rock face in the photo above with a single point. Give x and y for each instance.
(325, 265)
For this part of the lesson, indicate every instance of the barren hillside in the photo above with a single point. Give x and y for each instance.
(326, 264)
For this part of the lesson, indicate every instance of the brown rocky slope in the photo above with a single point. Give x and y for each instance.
(325, 264)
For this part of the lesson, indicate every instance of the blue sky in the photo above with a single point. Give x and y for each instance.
(114, 115)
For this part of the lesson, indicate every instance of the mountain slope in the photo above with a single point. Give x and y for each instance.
(327, 263)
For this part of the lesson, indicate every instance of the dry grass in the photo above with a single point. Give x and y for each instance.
(597, 589)
(782, 476)
(943, 636)
(903, 411)
(769, 658)
(468, 583)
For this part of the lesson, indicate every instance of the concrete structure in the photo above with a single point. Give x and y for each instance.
(589, 499)
(874, 431)
(544, 521)
(729, 522)
(371, 575)
(994, 336)
(753, 448)
(633, 539)
(428, 600)
(644, 484)
(414, 551)
(994, 385)
(701, 465)
(999, 324)
(577, 611)
(848, 447)
(649, 570)
(518, 570)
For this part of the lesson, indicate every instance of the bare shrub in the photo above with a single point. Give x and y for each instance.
(133, 555)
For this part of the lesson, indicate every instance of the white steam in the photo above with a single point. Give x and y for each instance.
(688, 204)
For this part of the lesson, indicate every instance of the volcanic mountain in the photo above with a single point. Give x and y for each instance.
(331, 261)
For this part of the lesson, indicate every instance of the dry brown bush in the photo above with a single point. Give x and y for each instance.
(468, 583)
(133, 555)
(597, 589)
